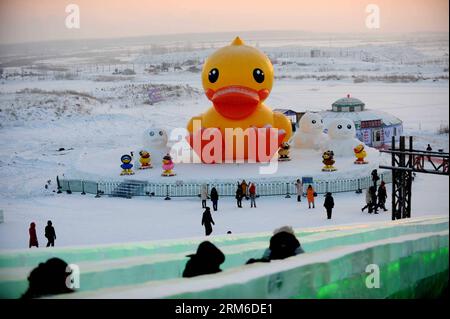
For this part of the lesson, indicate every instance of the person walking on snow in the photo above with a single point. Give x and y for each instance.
(214, 198)
(373, 195)
(368, 201)
(207, 221)
(375, 178)
(50, 234)
(33, 236)
(329, 204)
(204, 195)
(299, 189)
(239, 195)
(382, 196)
(310, 196)
(252, 192)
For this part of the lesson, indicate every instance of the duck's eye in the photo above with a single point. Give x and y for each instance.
(161, 133)
(213, 75)
(258, 75)
(349, 127)
(152, 133)
(339, 126)
(313, 121)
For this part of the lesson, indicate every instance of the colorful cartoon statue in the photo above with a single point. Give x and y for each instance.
(168, 166)
(237, 79)
(360, 154)
(328, 161)
(283, 152)
(145, 160)
(126, 165)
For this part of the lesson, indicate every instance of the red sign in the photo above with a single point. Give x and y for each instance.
(373, 123)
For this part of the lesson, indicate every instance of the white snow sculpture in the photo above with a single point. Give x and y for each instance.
(154, 141)
(342, 140)
(310, 132)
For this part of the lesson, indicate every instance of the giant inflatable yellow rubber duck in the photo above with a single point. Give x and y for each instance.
(237, 79)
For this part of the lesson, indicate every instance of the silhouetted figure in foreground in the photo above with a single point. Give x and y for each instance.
(48, 278)
(283, 244)
(50, 234)
(206, 260)
(207, 221)
(33, 236)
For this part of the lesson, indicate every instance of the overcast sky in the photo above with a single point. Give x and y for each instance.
(40, 20)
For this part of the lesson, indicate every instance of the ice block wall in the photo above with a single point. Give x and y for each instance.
(159, 263)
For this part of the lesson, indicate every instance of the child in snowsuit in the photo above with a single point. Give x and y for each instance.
(33, 236)
(244, 186)
(207, 221)
(310, 196)
(329, 204)
(50, 234)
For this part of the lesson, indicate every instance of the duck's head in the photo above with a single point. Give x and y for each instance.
(236, 78)
(359, 148)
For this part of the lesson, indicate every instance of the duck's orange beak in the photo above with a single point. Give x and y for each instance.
(235, 101)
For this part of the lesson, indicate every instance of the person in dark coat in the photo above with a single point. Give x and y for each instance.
(207, 221)
(375, 178)
(50, 234)
(48, 278)
(283, 244)
(206, 260)
(33, 237)
(382, 196)
(329, 204)
(239, 195)
(214, 198)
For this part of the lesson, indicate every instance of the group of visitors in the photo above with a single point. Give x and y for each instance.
(247, 191)
(375, 199)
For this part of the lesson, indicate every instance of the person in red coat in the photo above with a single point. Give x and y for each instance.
(33, 236)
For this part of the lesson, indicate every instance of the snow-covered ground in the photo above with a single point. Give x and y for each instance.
(75, 102)
(85, 220)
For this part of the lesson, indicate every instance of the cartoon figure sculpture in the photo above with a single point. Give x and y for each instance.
(145, 160)
(283, 152)
(237, 79)
(310, 133)
(328, 161)
(168, 166)
(155, 141)
(342, 140)
(126, 165)
(360, 154)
